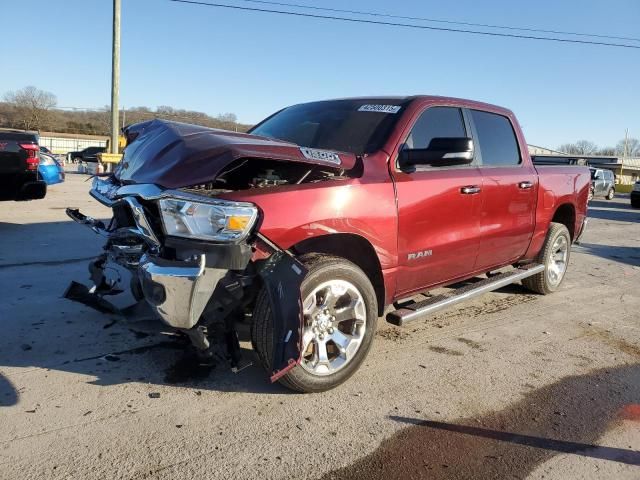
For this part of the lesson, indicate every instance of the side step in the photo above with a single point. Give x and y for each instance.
(426, 307)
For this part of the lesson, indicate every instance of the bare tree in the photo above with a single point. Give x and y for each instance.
(31, 106)
(581, 147)
(13, 113)
(607, 151)
(633, 147)
(227, 117)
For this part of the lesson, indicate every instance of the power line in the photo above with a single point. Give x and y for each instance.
(406, 25)
(439, 20)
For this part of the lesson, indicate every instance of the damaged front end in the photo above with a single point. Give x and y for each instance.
(195, 258)
(195, 261)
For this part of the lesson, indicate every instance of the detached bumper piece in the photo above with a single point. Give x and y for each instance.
(178, 291)
(82, 294)
(96, 225)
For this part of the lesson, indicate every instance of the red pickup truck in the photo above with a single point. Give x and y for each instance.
(323, 217)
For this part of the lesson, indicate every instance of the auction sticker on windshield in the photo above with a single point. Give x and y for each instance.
(380, 108)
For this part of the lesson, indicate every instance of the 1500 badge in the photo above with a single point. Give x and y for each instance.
(322, 155)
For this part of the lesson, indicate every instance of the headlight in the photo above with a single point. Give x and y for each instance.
(220, 220)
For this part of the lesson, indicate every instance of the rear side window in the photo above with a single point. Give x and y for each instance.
(436, 122)
(497, 139)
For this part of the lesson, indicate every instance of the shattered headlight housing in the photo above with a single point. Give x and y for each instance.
(218, 221)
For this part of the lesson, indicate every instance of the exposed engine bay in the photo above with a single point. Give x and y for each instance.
(248, 173)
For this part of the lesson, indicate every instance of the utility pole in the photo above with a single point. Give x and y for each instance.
(624, 153)
(115, 75)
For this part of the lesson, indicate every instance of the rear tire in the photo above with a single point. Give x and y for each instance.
(610, 194)
(554, 256)
(334, 274)
(635, 203)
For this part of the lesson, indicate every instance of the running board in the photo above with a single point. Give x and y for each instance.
(426, 307)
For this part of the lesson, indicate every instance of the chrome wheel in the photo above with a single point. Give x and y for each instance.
(557, 264)
(335, 321)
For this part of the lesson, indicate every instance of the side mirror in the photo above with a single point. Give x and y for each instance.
(441, 152)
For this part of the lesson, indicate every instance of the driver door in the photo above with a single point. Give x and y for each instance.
(438, 209)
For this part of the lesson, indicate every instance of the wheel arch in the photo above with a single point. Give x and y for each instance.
(352, 247)
(566, 215)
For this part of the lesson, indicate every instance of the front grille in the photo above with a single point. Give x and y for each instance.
(152, 212)
(122, 215)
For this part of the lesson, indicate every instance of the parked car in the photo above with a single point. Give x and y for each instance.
(50, 169)
(89, 154)
(59, 158)
(635, 195)
(19, 159)
(603, 183)
(321, 217)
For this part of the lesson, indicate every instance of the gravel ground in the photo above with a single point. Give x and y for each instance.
(511, 385)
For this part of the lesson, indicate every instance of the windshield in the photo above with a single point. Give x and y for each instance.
(357, 126)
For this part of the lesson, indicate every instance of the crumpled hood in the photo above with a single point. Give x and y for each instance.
(174, 155)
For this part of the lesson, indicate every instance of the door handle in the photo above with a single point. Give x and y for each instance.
(470, 190)
(525, 185)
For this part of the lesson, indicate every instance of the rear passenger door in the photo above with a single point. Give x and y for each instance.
(599, 183)
(611, 180)
(509, 189)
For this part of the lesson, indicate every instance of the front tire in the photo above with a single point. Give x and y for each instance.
(610, 194)
(555, 257)
(340, 316)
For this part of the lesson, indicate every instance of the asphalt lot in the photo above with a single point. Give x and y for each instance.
(511, 385)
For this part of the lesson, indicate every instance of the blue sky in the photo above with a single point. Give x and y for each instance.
(251, 64)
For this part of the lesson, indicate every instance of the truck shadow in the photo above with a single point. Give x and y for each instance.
(567, 417)
(47, 242)
(616, 211)
(43, 330)
(627, 255)
(154, 359)
(8, 393)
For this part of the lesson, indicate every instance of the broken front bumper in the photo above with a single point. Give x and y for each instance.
(199, 290)
(178, 291)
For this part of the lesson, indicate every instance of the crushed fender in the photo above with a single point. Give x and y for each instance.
(282, 274)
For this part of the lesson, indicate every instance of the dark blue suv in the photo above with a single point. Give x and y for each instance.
(635, 195)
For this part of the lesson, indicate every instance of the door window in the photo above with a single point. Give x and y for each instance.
(496, 138)
(436, 122)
